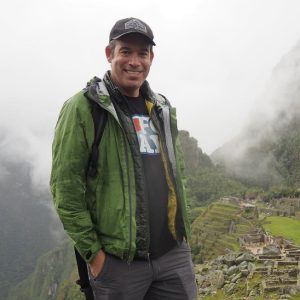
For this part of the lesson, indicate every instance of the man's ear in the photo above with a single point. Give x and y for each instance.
(108, 53)
(151, 56)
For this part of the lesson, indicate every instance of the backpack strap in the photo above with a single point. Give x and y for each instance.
(84, 281)
(99, 116)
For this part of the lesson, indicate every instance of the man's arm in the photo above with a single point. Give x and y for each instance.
(70, 156)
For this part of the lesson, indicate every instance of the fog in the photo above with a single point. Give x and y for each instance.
(213, 60)
(271, 125)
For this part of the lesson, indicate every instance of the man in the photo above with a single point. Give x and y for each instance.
(129, 222)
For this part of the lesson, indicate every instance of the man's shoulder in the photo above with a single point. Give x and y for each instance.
(77, 99)
(77, 103)
(162, 100)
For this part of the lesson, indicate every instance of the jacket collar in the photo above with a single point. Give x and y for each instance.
(98, 90)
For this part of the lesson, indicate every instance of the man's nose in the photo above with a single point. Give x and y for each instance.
(134, 60)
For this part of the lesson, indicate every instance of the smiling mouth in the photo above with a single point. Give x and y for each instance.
(133, 72)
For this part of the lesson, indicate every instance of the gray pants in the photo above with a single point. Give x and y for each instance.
(169, 277)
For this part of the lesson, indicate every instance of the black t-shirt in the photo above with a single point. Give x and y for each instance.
(161, 239)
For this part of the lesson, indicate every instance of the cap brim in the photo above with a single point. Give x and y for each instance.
(129, 32)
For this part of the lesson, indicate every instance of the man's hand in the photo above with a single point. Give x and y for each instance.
(96, 264)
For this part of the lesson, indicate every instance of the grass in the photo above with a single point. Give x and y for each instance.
(288, 228)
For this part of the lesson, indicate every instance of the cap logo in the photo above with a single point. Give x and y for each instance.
(135, 24)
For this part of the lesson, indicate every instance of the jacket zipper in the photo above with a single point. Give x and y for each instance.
(169, 167)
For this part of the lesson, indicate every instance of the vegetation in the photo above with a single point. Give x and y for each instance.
(288, 228)
(205, 182)
(53, 278)
(281, 191)
(209, 184)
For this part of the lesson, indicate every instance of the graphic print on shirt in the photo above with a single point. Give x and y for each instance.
(147, 134)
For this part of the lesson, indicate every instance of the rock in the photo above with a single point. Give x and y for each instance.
(204, 291)
(210, 282)
(243, 265)
(229, 259)
(251, 267)
(216, 279)
(198, 268)
(245, 273)
(199, 279)
(245, 257)
(219, 260)
(236, 277)
(229, 289)
(225, 268)
(231, 270)
(271, 250)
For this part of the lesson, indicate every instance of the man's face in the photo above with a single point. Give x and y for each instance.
(130, 63)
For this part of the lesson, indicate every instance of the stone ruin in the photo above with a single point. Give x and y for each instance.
(276, 260)
(284, 207)
(283, 273)
(255, 242)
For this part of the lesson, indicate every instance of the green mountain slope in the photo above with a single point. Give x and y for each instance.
(205, 182)
(54, 277)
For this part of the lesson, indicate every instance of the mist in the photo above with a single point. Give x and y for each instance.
(251, 153)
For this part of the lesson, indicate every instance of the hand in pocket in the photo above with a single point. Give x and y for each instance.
(97, 263)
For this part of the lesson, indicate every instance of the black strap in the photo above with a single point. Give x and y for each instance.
(99, 117)
(83, 281)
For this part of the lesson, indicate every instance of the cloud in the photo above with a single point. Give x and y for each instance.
(252, 153)
(24, 145)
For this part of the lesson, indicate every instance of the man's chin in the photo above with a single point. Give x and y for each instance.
(131, 90)
(134, 84)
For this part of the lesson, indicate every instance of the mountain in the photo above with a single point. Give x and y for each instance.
(267, 152)
(54, 277)
(27, 225)
(205, 181)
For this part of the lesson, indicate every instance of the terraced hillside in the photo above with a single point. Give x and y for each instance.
(218, 228)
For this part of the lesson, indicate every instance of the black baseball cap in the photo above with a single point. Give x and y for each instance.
(131, 25)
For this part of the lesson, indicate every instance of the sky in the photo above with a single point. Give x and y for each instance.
(213, 60)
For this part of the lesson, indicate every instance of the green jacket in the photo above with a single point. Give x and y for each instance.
(109, 211)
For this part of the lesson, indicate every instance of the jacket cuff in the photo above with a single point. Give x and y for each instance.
(89, 254)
